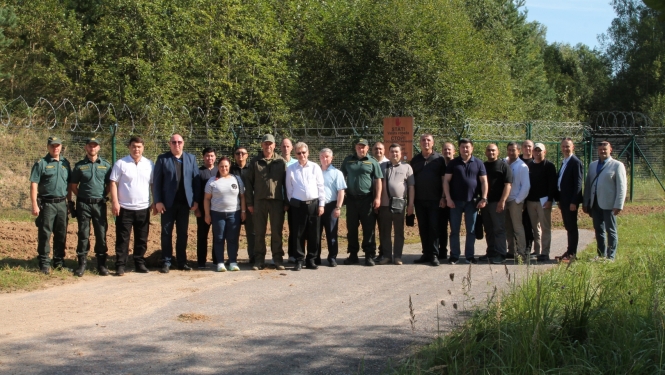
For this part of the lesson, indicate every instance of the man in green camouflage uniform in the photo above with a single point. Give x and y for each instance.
(48, 194)
(89, 181)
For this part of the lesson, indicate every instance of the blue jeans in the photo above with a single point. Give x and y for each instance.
(604, 220)
(470, 211)
(225, 227)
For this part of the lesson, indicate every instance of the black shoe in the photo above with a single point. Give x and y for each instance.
(453, 260)
(499, 259)
(435, 262)
(120, 271)
(81, 268)
(332, 263)
(510, 256)
(251, 260)
(141, 268)
(485, 258)
(472, 260)
(423, 259)
(369, 262)
(298, 266)
(200, 266)
(352, 259)
(46, 270)
(165, 268)
(311, 264)
(442, 258)
(317, 261)
(543, 258)
(101, 265)
(184, 267)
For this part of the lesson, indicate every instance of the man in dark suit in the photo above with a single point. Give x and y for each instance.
(176, 191)
(570, 194)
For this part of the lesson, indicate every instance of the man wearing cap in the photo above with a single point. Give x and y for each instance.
(542, 178)
(90, 184)
(176, 192)
(604, 195)
(363, 180)
(265, 198)
(48, 194)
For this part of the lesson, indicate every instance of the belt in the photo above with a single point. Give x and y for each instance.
(309, 201)
(53, 200)
(91, 200)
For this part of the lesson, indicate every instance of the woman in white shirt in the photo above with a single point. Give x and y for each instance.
(224, 204)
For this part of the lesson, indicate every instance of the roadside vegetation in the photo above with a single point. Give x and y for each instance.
(586, 317)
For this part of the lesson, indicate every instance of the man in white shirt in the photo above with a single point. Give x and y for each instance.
(515, 202)
(379, 153)
(304, 189)
(130, 186)
(334, 187)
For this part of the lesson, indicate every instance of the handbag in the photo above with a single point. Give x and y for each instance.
(396, 204)
(478, 227)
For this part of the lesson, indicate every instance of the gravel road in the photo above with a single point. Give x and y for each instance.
(344, 320)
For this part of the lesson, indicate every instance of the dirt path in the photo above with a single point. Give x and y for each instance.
(330, 321)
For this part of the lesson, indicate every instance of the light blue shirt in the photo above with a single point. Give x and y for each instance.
(333, 181)
(291, 161)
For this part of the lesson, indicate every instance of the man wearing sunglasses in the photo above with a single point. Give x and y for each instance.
(240, 168)
(176, 191)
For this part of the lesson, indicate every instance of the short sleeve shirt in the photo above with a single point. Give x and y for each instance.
(91, 178)
(465, 176)
(397, 179)
(51, 176)
(498, 174)
(360, 174)
(225, 193)
(427, 176)
(133, 180)
(333, 181)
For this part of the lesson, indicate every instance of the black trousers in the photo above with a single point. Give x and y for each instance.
(329, 225)
(139, 220)
(570, 223)
(444, 221)
(202, 231)
(528, 229)
(427, 213)
(359, 212)
(307, 228)
(177, 215)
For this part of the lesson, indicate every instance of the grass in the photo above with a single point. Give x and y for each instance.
(19, 277)
(587, 317)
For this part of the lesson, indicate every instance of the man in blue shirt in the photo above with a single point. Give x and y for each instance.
(463, 175)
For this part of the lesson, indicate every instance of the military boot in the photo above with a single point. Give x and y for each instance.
(81, 268)
(101, 265)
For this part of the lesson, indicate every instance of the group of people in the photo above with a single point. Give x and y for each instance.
(376, 187)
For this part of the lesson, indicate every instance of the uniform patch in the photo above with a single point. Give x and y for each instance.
(50, 166)
(234, 186)
(101, 167)
(367, 162)
(85, 167)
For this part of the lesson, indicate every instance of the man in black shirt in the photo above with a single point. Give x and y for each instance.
(206, 171)
(448, 152)
(429, 168)
(527, 157)
(240, 168)
(499, 179)
(543, 179)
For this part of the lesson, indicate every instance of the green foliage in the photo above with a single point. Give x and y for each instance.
(589, 317)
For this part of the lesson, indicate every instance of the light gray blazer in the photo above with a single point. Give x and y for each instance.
(609, 188)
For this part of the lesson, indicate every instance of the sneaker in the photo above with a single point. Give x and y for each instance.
(543, 258)
(383, 260)
(369, 262)
(234, 267)
(279, 267)
(453, 260)
(255, 268)
(398, 261)
(471, 260)
(221, 267)
(499, 259)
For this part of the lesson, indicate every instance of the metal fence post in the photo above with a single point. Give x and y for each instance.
(528, 130)
(113, 146)
(632, 167)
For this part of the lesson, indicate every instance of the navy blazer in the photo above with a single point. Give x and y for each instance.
(571, 183)
(165, 182)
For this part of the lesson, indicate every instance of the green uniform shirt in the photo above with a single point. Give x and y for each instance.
(92, 178)
(51, 176)
(360, 174)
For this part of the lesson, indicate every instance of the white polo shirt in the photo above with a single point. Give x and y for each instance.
(133, 180)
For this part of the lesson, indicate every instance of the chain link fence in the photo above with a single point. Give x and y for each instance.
(25, 127)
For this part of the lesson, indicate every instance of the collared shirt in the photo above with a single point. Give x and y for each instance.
(427, 171)
(521, 185)
(333, 181)
(465, 177)
(564, 163)
(133, 180)
(291, 161)
(397, 179)
(360, 174)
(51, 176)
(91, 178)
(305, 183)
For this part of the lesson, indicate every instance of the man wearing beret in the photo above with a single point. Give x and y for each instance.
(90, 183)
(48, 194)
(363, 180)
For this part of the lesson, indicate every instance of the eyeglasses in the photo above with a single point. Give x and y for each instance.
(301, 153)
(177, 142)
(240, 153)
